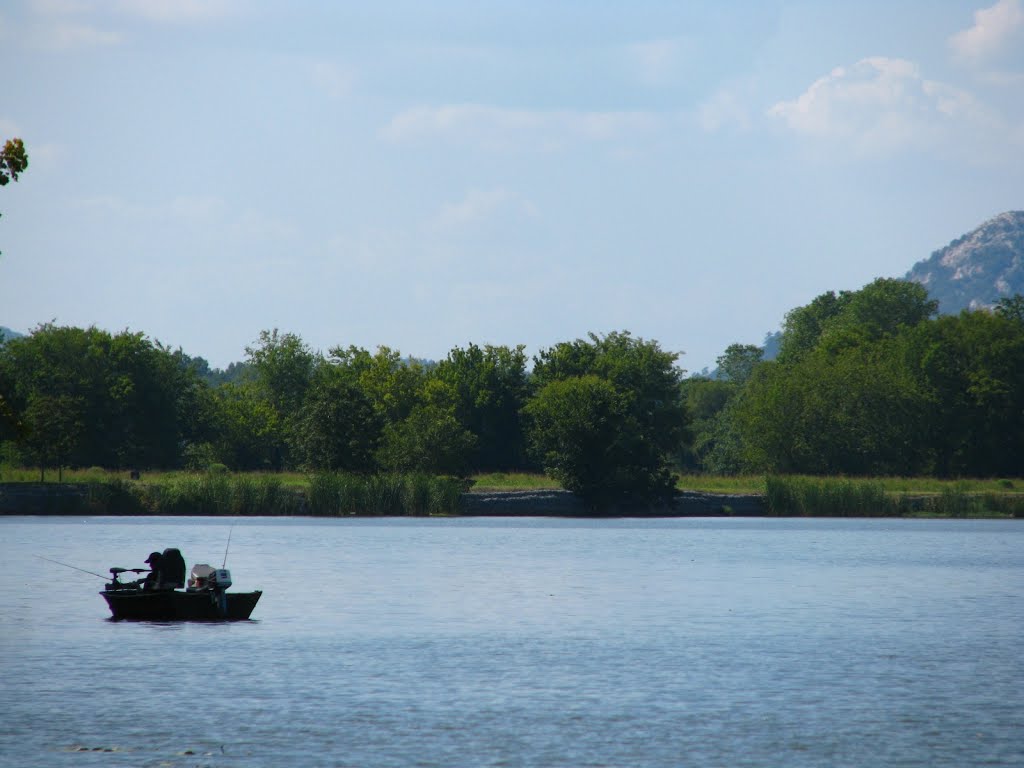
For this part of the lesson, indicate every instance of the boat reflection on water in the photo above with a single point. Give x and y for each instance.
(164, 596)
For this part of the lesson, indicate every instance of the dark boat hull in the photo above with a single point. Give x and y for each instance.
(174, 605)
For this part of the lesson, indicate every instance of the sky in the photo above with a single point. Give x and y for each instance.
(429, 175)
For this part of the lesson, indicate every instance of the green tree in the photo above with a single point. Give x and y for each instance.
(856, 410)
(54, 425)
(1011, 307)
(132, 392)
(712, 444)
(336, 428)
(491, 387)
(881, 308)
(607, 419)
(283, 366)
(970, 365)
(246, 429)
(392, 383)
(431, 438)
(737, 363)
(13, 161)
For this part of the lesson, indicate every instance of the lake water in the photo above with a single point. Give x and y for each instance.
(524, 642)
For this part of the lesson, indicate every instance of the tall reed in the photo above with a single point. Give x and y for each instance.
(334, 493)
(828, 497)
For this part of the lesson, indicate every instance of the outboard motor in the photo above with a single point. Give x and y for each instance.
(199, 578)
(172, 569)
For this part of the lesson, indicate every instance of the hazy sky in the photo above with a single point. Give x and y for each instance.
(429, 174)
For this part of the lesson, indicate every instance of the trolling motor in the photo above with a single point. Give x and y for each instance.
(115, 584)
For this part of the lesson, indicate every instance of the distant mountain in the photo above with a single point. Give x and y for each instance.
(7, 333)
(978, 269)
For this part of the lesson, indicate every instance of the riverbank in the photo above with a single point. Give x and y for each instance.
(97, 499)
(785, 498)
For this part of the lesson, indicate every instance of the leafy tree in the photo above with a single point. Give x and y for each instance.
(804, 326)
(607, 418)
(13, 161)
(857, 410)
(431, 438)
(130, 394)
(54, 425)
(580, 431)
(392, 384)
(971, 367)
(246, 428)
(881, 308)
(283, 365)
(738, 361)
(491, 387)
(336, 428)
(1011, 307)
(712, 445)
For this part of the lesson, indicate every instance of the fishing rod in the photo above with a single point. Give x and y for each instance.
(72, 567)
(224, 564)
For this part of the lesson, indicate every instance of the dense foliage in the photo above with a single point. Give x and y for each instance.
(866, 382)
(870, 382)
(607, 419)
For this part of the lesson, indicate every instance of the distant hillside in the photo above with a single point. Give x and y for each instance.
(7, 333)
(973, 271)
(978, 269)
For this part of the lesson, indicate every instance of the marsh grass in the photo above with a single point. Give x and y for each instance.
(829, 497)
(334, 494)
(959, 501)
(99, 491)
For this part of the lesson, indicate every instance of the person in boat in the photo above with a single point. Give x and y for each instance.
(153, 578)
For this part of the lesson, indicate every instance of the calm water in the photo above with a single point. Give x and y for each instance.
(524, 642)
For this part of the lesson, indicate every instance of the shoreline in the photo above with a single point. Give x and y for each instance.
(67, 499)
(77, 499)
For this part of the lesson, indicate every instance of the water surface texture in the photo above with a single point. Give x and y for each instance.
(524, 642)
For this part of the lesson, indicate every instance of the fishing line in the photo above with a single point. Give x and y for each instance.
(227, 546)
(75, 568)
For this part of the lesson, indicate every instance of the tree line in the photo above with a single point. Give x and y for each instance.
(602, 415)
(865, 382)
(869, 382)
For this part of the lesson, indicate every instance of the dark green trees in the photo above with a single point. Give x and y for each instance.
(607, 419)
(85, 397)
(868, 382)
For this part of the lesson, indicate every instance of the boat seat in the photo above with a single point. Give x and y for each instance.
(172, 569)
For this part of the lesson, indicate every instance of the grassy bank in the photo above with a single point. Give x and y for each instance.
(100, 491)
(221, 494)
(849, 497)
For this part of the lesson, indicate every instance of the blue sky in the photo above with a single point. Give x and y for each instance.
(425, 175)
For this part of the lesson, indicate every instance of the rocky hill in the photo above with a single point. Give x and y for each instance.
(977, 269)
(7, 333)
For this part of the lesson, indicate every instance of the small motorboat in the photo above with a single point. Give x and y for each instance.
(168, 598)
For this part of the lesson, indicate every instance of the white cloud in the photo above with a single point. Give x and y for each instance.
(881, 104)
(497, 128)
(995, 30)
